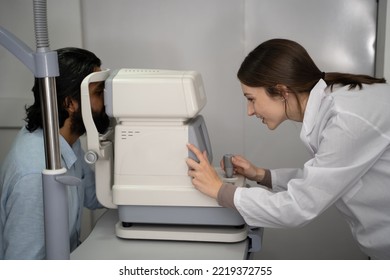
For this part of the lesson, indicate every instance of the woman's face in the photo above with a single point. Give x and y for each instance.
(271, 110)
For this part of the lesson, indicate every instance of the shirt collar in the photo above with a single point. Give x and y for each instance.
(312, 107)
(68, 153)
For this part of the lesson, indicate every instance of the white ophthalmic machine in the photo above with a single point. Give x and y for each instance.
(142, 172)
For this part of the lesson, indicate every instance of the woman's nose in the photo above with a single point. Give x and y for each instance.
(250, 109)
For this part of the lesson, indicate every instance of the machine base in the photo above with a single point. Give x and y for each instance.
(227, 234)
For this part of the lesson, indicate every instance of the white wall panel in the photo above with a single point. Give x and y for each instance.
(340, 37)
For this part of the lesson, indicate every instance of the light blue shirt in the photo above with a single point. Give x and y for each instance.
(21, 202)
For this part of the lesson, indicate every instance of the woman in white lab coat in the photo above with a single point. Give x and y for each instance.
(346, 127)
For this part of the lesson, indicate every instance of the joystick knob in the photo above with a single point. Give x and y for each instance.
(227, 162)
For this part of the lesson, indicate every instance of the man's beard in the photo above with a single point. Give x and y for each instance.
(101, 120)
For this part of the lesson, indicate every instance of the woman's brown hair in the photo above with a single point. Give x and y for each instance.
(282, 61)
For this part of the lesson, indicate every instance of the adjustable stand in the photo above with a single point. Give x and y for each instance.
(44, 65)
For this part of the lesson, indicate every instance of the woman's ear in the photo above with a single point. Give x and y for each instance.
(283, 91)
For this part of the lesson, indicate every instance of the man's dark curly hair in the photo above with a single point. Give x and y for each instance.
(74, 65)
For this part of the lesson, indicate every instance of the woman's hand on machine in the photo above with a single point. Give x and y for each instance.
(204, 176)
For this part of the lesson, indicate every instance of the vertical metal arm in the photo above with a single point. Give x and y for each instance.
(55, 199)
(44, 65)
(50, 122)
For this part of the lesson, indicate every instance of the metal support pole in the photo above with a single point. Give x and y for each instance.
(55, 199)
(44, 65)
(50, 122)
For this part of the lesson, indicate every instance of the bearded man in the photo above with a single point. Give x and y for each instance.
(21, 203)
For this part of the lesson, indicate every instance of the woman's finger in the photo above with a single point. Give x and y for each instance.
(196, 151)
(192, 164)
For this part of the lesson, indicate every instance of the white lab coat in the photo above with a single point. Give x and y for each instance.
(348, 135)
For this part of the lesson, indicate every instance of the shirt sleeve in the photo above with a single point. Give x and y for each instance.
(225, 196)
(347, 148)
(281, 177)
(23, 232)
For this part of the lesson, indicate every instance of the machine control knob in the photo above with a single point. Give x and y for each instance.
(91, 157)
(228, 165)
